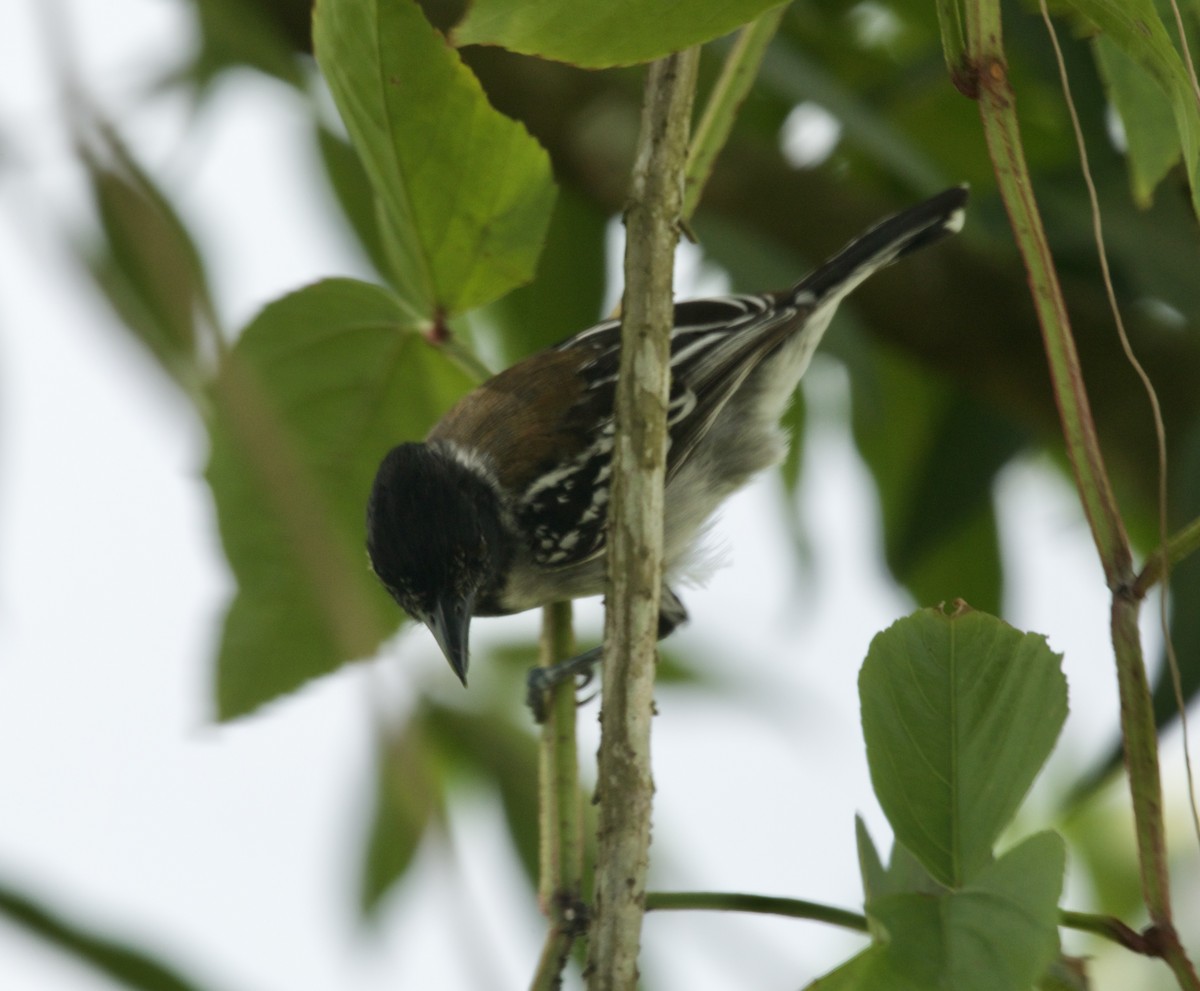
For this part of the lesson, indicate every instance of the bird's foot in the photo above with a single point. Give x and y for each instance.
(542, 681)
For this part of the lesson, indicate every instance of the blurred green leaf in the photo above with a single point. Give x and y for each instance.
(407, 801)
(964, 562)
(1103, 847)
(959, 713)
(754, 263)
(1150, 134)
(146, 265)
(600, 34)
(1135, 28)
(121, 962)
(466, 190)
(504, 754)
(236, 33)
(934, 454)
(321, 384)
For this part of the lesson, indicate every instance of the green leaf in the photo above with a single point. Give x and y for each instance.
(146, 265)
(959, 713)
(568, 292)
(407, 801)
(321, 384)
(1135, 27)
(999, 933)
(467, 192)
(599, 35)
(352, 187)
(124, 964)
(1150, 134)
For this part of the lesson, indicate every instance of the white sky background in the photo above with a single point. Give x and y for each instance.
(234, 850)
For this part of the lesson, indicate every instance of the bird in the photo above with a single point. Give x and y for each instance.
(503, 506)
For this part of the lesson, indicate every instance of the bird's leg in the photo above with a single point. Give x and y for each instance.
(540, 682)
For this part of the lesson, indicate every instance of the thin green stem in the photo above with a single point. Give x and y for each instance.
(726, 901)
(1180, 545)
(733, 85)
(1106, 926)
(560, 809)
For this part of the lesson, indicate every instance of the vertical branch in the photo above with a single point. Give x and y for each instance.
(624, 783)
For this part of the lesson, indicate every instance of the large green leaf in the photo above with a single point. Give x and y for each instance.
(121, 962)
(959, 712)
(352, 187)
(998, 933)
(321, 384)
(568, 292)
(1135, 27)
(467, 192)
(603, 33)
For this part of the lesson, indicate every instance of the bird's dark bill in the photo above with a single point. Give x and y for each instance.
(450, 624)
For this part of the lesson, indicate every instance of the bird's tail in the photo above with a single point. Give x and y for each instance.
(918, 226)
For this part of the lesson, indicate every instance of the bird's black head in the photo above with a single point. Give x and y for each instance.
(436, 541)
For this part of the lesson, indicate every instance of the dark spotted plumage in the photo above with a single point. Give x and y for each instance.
(504, 506)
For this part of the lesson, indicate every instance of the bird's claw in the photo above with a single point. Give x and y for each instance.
(541, 681)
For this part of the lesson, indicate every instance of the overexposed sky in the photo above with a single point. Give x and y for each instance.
(233, 850)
